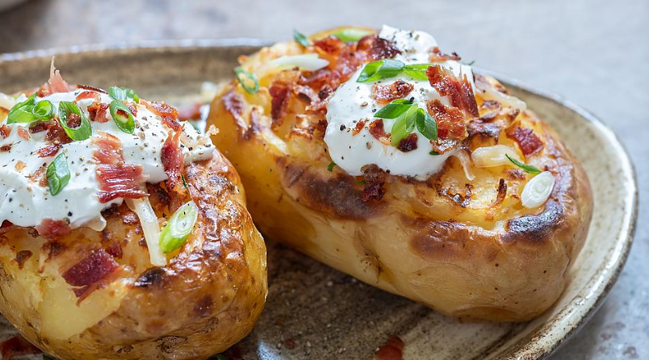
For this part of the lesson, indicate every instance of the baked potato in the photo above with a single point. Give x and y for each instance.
(101, 259)
(387, 159)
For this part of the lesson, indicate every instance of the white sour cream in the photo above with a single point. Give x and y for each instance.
(25, 203)
(352, 102)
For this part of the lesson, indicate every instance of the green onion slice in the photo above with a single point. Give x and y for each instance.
(58, 174)
(245, 78)
(351, 34)
(426, 125)
(22, 112)
(123, 94)
(331, 165)
(122, 116)
(180, 225)
(301, 38)
(527, 168)
(81, 132)
(381, 69)
(43, 110)
(417, 71)
(394, 109)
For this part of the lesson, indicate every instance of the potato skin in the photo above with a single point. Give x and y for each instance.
(475, 259)
(206, 299)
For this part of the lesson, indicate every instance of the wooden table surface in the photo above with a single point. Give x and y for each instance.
(595, 53)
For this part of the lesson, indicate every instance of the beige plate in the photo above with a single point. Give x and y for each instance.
(316, 312)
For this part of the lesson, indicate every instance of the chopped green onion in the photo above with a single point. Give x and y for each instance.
(351, 34)
(381, 69)
(360, 182)
(394, 109)
(180, 225)
(122, 116)
(403, 126)
(43, 110)
(301, 38)
(22, 112)
(331, 165)
(434, 153)
(471, 62)
(527, 168)
(58, 174)
(426, 125)
(243, 76)
(81, 132)
(416, 71)
(123, 94)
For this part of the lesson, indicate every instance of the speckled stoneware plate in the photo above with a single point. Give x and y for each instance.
(315, 312)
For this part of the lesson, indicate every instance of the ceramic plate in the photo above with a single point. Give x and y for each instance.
(315, 312)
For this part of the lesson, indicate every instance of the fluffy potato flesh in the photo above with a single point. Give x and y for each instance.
(466, 248)
(207, 298)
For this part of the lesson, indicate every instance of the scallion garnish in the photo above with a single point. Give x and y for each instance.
(388, 68)
(527, 168)
(22, 112)
(407, 116)
(123, 94)
(178, 228)
(43, 110)
(243, 77)
(301, 38)
(79, 133)
(122, 116)
(434, 153)
(350, 34)
(58, 174)
(331, 165)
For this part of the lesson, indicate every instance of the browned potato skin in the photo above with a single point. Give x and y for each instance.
(482, 261)
(206, 299)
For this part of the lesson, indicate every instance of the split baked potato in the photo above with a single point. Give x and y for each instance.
(459, 240)
(97, 293)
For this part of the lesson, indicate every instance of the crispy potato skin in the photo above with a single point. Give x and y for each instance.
(206, 299)
(446, 242)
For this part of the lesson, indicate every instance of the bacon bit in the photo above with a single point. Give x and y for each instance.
(98, 112)
(305, 93)
(189, 112)
(39, 177)
(168, 114)
(23, 256)
(436, 55)
(459, 92)
(93, 268)
(119, 181)
(6, 148)
(502, 192)
(24, 133)
(91, 88)
(5, 131)
(359, 126)
(383, 94)
(526, 139)
(409, 143)
(377, 130)
(51, 228)
(173, 161)
(87, 95)
(20, 165)
(49, 150)
(378, 48)
(279, 93)
(56, 84)
(450, 120)
(374, 179)
(392, 350)
(109, 148)
(234, 104)
(329, 45)
(254, 126)
(17, 346)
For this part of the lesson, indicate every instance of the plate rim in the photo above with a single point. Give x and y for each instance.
(614, 262)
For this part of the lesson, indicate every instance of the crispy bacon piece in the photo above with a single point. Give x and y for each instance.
(383, 94)
(378, 48)
(359, 126)
(173, 161)
(24, 133)
(17, 346)
(109, 148)
(450, 120)
(51, 228)
(409, 143)
(392, 350)
(5, 131)
(234, 104)
(49, 150)
(279, 93)
(54, 131)
(56, 84)
(377, 130)
(90, 270)
(189, 112)
(374, 179)
(458, 91)
(526, 139)
(167, 113)
(436, 55)
(329, 45)
(6, 148)
(98, 112)
(91, 88)
(87, 95)
(116, 179)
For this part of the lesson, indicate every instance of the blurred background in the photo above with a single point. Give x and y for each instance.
(594, 53)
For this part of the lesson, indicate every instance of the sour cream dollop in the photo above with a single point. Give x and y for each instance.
(25, 202)
(352, 102)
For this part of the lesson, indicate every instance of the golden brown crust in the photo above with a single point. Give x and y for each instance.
(467, 248)
(207, 298)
